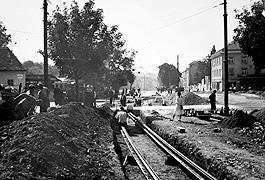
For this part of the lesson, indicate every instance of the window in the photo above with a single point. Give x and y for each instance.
(10, 82)
(244, 71)
(230, 60)
(244, 60)
(231, 71)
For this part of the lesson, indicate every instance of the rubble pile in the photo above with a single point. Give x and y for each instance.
(238, 119)
(72, 142)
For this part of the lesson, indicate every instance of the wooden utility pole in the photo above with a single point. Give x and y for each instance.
(45, 54)
(226, 108)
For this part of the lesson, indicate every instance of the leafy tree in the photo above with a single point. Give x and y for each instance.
(37, 68)
(79, 41)
(168, 75)
(250, 34)
(4, 37)
(197, 71)
(120, 68)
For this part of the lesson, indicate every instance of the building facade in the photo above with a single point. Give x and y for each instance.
(239, 67)
(185, 79)
(11, 70)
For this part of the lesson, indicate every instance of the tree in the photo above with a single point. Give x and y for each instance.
(168, 75)
(4, 37)
(197, 71)
(37, 68)
(120, 68)
(250, 34)
(79, 41)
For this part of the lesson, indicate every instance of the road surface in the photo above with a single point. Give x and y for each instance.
(243, 101)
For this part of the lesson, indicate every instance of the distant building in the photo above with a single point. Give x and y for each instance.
(185, 79)
(39, 78)
(11, 71)
(240, 67)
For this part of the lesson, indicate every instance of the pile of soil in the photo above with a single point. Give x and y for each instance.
(73, 142)
(238, 119)
(193, 99)
(189, 98)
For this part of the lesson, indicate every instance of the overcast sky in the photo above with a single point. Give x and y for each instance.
(158, 30)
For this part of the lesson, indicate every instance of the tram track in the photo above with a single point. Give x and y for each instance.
(154, 170)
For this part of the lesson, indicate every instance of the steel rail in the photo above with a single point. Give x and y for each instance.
(185, 162)
(142, 163)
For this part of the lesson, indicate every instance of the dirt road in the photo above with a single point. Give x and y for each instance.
(244, 101)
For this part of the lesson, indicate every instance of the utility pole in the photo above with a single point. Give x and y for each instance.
(45, 54)
(226, 108)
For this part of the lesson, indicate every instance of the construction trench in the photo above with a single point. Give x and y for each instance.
(78, 142)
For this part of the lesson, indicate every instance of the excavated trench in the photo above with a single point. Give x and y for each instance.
(165, 167)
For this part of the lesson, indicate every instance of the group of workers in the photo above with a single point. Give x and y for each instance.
(17, 105)
(26, 102)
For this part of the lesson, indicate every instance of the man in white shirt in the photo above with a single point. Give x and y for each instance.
(121, 116)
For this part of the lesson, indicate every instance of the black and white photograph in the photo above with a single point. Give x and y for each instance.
(132, 90)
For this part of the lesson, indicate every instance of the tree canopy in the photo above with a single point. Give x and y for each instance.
(168, 75)
(250, 34)
(83, 47)
(37, 68)
(4, 37)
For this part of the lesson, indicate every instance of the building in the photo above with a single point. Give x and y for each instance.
(11, 70)
(39, 78)
(240, 66)
(185, 79)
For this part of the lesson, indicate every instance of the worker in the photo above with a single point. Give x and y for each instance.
(43, 95)
(89, 96)
(111, 94)
(25, 103)
(123, 99)
(212, 98)
(121, 117)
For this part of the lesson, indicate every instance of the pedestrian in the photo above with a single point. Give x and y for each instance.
(110, 96)
(89, 96)
(94, 97)
(179, 107)
(56, 95)
(123, 99)
(212, 98)
(43, 95)
(20, 88)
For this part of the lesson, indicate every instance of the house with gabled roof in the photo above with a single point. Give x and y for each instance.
(11, 71)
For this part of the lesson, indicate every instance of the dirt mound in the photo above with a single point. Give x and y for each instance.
(193, 99)
(260, 115)
(238, 119)
(189, 99)
(72, 142)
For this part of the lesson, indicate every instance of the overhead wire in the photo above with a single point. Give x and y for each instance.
(188, 17)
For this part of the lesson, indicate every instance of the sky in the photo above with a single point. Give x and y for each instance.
(157, 30)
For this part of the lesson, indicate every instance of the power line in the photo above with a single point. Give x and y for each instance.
(188, 17)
